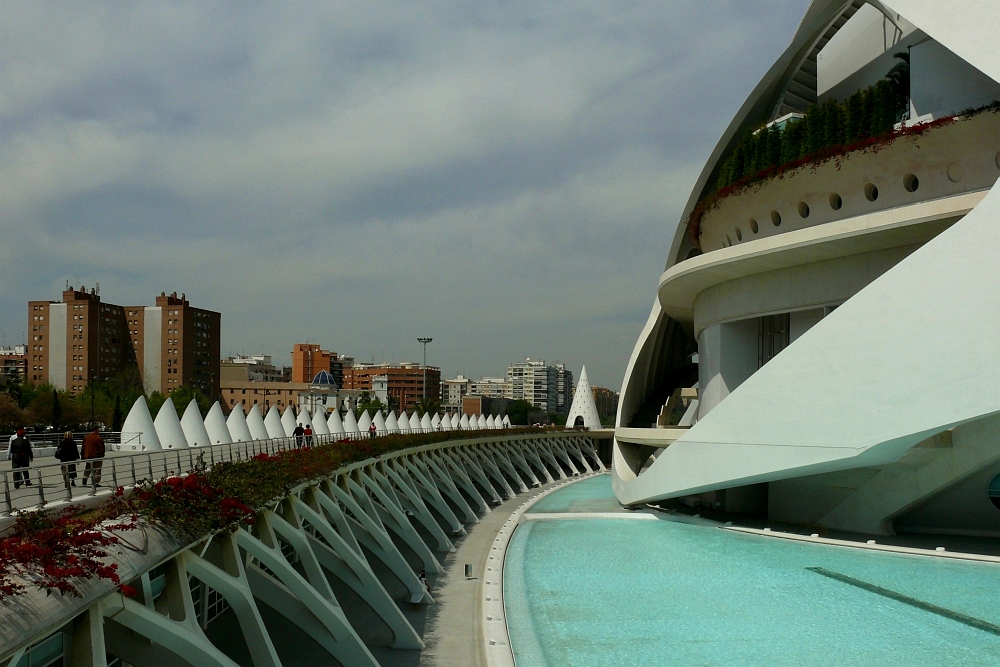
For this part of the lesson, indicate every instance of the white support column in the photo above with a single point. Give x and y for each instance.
(496, 455)
(513, 453)
(451, 460)
(526, 448)
(336, 556)
(429, 490)
(87, 640)
(555, 446)
(323, 621)
(444, 483)
(287, 526)
(587, 446)
(451, 478)
(545, 452)
(466, 457)
(409, 498)
(573, 446)
(230, 581)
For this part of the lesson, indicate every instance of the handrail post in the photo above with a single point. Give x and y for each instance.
(6, 493)
(69, 491)
(180, 466)
(41, 490)
(114, 472)
(131, 460)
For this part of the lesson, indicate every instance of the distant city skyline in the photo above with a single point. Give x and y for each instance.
(501, 178)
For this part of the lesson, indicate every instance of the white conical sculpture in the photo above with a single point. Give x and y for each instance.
(350, 423)
(482, 421)
(168, 427)
(304, 419)
(464, 423)
(237, 425)
(193, 426)
(334, 424)
(288, 421)
(391, 425)
(403, 422)
(273, 423)
(506, 422)
(425, 423)
(583, 411)
(491, 423)
(456, 422)
(215, 424)
(256, 424)
(364, 422)
(319, 421)
(379, 422)
(138, 432)
(415, 423)
(436, 422)
(446, 422)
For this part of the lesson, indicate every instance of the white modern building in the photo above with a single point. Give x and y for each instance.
(838, 316)
(549, 388)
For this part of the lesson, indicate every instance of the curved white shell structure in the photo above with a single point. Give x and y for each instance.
(255, 422)
(215, 425)
(320, 426)
(237, 425)
(288, 422)
(350, 423)
(425, 423)
(415, 423)
(273, 423)
(168, 427)
(379, 421)
(391, 425)
(335, 424)
(583, 409)
(436, 422)
(140, 423)
(364, 421)
(491, 423)
(194, 426)
(403, 422)
(464, 423)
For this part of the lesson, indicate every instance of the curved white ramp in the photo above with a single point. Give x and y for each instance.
(194, 426)
(140, 423)
(168, 427)
(215, 424)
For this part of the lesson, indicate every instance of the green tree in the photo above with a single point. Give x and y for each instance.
(155, 401)
(518, 412)
(12, 416)
(182, 396)
(57, 414)
(116, 416)
(428, 405)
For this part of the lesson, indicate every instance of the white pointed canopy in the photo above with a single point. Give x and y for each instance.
(491, 423)
(379, 422)
(320, 426)
(255, 422)
(304, 418)
(215, 424)
(403, 422)
(456, 422)
(415, 423)
(350, 423)
(391, 425)
(506, 422)
(583, 411)
(482, 422)
(193, 426)
(334, 423)
(237, 425)
(425, 423)
(140, 423)
(464, 423)
(364, 422)
(288, 421)
(436, 422)
(273, 423)
(168, 427)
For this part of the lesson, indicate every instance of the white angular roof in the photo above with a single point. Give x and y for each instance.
(215, 424)
(490, 422)
(364, 422)
(425, 423)
(140, 423)
(583, 405)
(304, 418)
(255, 422)
(350, 423)
(288, 421)
(237, 425)
(506, 422)
(391, 425)
(456, 422)
(379, 422)
(193, 426)
(334, 423)
(482, 422)
(464, 423)
(273, 423)
(320, 426)
(436, 421)
(403, 422)
(168, 427)
(415, 423)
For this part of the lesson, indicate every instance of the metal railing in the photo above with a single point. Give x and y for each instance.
(41, 486)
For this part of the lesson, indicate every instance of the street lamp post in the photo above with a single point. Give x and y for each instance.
(424, 388)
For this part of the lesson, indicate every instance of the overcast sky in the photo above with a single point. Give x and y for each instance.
(503, 176)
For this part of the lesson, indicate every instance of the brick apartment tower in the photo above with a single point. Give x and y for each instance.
(176, 345)
(405, 381)
(307, 360)
(83, 339)
(76, 341)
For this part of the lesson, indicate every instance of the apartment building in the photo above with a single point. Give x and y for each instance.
(253, 368)
(13, 364)
(308, 360)
(537, 383)
(404, 381)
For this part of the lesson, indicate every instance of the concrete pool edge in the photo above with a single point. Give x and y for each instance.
(493, 621)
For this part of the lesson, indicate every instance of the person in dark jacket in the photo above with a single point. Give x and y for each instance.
(298, 432)
(68, 454)
(21, 457)
(93, 451)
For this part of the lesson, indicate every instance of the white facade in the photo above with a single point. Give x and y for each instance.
(843, 320)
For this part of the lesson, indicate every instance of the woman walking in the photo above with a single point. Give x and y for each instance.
(68, 454)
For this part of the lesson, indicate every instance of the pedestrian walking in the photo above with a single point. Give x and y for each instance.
(423, 580)
(308, 432)
(93, 451)
(20, 455)
(371, 430)
(68, 454)
(299, 432)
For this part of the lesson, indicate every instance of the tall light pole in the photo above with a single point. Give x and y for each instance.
(425, 341)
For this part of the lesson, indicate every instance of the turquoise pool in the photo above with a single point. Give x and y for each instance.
(591, 592)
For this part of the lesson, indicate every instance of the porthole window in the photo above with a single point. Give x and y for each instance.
(956, 172)
(775, 218)
(739, 234)
(753, 226)
(911, 182)
(835, 201)
(803, 209)
(994, 491)
(871, 192)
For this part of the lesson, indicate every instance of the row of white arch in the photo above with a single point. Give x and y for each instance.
(141, 432)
